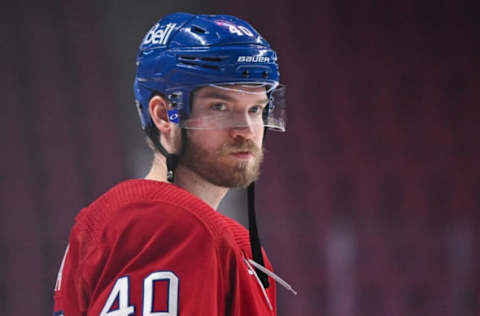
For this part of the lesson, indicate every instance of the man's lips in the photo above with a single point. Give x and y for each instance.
(244, 155)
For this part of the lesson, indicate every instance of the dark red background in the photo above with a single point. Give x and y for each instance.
(368, 204)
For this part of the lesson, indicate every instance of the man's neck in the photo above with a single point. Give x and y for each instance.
(198, 186)
(188, 180)
(158, 171)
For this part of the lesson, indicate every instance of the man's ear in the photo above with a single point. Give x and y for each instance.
(157, 108)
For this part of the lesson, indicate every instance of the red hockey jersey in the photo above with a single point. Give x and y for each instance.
(151, 248)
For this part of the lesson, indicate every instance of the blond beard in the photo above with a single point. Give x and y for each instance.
(212, 167)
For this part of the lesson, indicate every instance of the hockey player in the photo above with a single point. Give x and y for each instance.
(207, 88)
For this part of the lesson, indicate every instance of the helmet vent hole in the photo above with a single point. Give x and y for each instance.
(187, 58)
(212, 59)
(208, 62)
(197, 29)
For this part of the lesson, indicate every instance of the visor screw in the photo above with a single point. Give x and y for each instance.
(265, 75)
(246, 74)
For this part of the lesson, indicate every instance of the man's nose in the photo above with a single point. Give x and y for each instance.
(243, 127)
(245, 131)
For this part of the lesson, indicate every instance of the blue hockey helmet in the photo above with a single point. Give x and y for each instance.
(183, 52)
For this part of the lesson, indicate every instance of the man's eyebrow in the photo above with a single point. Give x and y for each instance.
(225, 97)
(216, 95)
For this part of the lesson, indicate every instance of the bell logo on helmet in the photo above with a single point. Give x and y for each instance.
(253, 59)
(159, 36)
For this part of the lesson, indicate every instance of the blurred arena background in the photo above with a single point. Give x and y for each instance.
(368, 205)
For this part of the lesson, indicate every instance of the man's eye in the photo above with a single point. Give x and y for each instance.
(256, 109)
(220, 107)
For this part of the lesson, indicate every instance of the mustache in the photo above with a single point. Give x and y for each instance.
(239, 146)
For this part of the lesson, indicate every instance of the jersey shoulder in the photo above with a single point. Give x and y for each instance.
(146, 206)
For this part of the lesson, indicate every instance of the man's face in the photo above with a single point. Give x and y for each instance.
(225, 134)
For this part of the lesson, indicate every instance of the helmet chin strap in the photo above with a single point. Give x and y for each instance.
(172, 159)
(254, 239)
(255, 244)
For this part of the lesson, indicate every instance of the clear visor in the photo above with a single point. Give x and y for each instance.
(237, 106)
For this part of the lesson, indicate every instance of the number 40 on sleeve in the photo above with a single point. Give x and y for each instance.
(120, 294)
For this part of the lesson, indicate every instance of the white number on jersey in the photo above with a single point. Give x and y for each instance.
(120, 295)
(149, 288)
(58, 284)
(119, 292)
